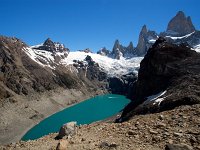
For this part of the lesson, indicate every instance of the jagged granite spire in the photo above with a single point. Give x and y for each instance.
(180, 24)
(130, 50)
(118, 50)
(145, 40)
(141, 46)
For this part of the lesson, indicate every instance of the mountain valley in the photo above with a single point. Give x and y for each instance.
(160, 76)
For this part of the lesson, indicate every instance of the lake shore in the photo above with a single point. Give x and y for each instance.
(86, 112)
(14, 123)
(142, 132)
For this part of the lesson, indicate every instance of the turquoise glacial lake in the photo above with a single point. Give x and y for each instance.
(88, 111)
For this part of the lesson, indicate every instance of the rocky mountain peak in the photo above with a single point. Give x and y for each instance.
(48, 42)
(130, 46)
(122, 51)
(145, 40)
(118, 50)
(180, 25)
(116, 45)
(144, 29)
(51, 46)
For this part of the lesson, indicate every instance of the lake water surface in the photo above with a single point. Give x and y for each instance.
(88, 111)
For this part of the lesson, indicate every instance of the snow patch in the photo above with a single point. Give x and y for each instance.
(156, 99)
(152, 41)
(181, 37)
(197, 48)
(111, 66)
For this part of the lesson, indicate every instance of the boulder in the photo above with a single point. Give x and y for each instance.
(178, 147)
(67, 129)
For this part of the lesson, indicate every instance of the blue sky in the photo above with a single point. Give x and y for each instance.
(81, 24)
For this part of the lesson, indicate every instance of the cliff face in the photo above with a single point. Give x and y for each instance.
(166, 67)
(180, 25)
(146, 40)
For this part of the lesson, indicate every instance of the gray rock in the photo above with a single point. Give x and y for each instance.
(178, 147)
(67, 129)
(106, 145)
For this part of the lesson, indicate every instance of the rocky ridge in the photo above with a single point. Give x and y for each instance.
(170, 68)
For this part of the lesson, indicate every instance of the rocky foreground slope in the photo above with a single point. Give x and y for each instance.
(177, 129)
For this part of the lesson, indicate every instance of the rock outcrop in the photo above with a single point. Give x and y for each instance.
(90, 69)
(87, 50)
(67, 129)
(180, 25)
(122, 85)
(166, 67)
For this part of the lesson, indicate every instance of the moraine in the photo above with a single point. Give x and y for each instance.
(88, 111)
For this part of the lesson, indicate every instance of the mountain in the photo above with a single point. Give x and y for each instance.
(167, 86)
(36, 82)
(146, 39)
(180, 29)
(112, 67)
(119, 51)
(180, 25)
(164, 79)
(51, 46)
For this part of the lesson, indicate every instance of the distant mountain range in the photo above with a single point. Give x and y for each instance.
(180, 29)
